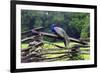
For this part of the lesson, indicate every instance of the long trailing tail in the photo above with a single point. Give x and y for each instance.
(66, 40)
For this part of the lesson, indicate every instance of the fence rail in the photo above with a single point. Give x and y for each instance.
(35, 51)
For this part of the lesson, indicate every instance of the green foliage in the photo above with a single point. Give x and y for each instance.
(76, 24)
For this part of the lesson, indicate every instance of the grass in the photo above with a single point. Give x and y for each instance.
(85, 56)
(49, 47)
(24, 46)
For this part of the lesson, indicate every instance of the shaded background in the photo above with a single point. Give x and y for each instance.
(77, 25)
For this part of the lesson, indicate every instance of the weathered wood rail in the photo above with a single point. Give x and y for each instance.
(36, 31)
(35, 52)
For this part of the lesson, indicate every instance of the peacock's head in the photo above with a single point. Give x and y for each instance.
(53, 25)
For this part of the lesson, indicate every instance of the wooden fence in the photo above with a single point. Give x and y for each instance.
(35, 51)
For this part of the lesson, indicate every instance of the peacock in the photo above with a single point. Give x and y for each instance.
(61, 33)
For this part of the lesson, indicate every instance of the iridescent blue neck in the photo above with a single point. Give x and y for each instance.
(52, 27)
